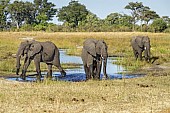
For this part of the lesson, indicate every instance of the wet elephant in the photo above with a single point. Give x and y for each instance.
(46, 52)
(140, 44)
(93, 53)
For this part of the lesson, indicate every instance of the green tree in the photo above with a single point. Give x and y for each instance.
(146, 15)
(17, 13)
(45, 10)
(72, 14)
(126, 20)
(43, 24)
(135, 8)
(91, 23)
(29, 13)
(120, 22)
(112, 18)
(159, 25)
(167, 20)
(3, 13)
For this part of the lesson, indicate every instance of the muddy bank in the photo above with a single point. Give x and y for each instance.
(154, 70)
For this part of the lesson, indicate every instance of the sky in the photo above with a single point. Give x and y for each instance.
(102, 8)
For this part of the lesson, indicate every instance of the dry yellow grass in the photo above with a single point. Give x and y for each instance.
(141, 95)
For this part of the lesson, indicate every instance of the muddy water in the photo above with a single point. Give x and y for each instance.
(78, 74)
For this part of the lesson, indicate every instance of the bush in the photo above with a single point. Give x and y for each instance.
(159, 25)
(54, 28)
(27, 27)
(40, 27)
(167, 30)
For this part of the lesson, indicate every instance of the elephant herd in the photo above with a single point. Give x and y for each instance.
(94, 55)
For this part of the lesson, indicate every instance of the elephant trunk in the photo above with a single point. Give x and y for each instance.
(147, 52)
(18, 58)
(104, 68)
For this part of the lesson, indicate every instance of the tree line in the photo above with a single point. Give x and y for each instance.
(36, 16)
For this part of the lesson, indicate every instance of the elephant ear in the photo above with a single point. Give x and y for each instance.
(146, 39)
(139, 41)
(90, 47)
(35, 48)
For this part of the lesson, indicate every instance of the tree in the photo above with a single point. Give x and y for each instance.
(72, 14)
(44, 9)
(135, 9)
(3, 13)
(146, 15)
(29, 13)
(159, 25)
(112, 18)
(91, 23)
(126, 20)
(120, 22)
(16, 10)
(118, 19)
(167, 20)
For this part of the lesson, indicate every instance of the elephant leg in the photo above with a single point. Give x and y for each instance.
(99, 63)
(63, 73)
(37, 65)
(49, 73)
(91, 74)
(147, 56)
(86, 72)
(140, 55)
(95, 71)
(25, 67)
(56, 62)
(135, 54)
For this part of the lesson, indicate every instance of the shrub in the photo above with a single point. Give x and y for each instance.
(159, 25)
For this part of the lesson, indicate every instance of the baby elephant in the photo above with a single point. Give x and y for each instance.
(46, 52)
(140, 44)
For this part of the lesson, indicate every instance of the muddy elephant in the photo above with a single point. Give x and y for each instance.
(140, 44)
(93, 53)
(46, 52)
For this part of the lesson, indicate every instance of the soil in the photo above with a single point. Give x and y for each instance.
(155, 70)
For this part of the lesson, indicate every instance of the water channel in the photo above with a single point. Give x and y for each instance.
(114, 71)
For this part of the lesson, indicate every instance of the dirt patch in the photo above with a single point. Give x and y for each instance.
(8, 76)
(155, 70)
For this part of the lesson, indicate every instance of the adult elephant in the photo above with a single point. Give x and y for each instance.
(140, 44)
(45, 52)
(93, 53)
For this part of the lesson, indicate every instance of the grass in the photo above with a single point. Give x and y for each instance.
(146, 94)
(118, 44)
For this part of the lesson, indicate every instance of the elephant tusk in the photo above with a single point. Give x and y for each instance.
(102, 58)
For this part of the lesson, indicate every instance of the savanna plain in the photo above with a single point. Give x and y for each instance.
(148, 94)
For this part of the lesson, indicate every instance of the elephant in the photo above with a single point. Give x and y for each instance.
(46, 52)
(93, 53)
(140, 44)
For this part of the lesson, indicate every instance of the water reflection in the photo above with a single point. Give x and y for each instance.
(78, 74)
